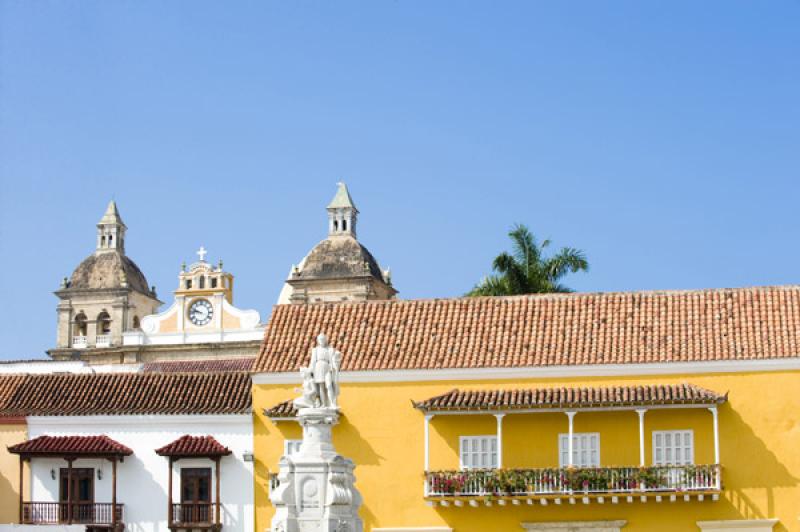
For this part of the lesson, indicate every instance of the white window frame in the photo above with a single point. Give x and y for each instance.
(660, 458)
(563, 458)
(490, 449)
(289, 444)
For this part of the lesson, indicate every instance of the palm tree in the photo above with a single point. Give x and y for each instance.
(527, 271)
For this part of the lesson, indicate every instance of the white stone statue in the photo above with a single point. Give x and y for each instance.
(321, 378)
(315, 488)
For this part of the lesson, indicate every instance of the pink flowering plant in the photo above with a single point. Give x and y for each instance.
(507, 482)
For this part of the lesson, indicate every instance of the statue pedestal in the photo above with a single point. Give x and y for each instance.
(315, 489)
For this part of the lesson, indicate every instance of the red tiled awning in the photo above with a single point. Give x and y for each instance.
(71, 446)
(282, 410)
(194, 446)
(555, 398)
(285, 411)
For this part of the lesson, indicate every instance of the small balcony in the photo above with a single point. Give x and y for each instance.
(103, 340)
(200, 515)
(572, 484)
(79, 342)
(666, 469)
(97, 515)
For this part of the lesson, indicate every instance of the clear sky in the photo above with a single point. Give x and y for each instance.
(663, 138)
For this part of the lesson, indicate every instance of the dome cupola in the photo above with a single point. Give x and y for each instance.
(106, 295)
(339, 268)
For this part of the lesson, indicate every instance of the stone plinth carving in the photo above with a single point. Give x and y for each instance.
(315, 490)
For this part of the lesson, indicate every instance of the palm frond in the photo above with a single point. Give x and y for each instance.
(490, 286)
(566, 260)
(526, 271)
(524, 246)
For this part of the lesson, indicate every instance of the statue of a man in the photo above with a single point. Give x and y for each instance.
(309, 397)
(325, 372)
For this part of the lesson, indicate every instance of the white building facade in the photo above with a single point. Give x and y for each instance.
(143, 477)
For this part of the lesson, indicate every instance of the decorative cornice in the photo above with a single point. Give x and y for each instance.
(144, 420)
(543, 372)
(744, 524)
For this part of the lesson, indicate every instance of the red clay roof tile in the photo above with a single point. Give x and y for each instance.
(100, 445)
(185, 446)
(281, 410)
(125, 394)
(541, 330)
(546, 398)
(199, 366)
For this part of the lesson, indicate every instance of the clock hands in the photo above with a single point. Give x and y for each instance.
(200, 312)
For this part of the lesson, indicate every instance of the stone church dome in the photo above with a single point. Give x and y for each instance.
(339, 268)
(337, 257)
(110, 269)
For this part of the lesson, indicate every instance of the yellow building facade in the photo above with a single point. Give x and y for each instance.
(12, 431)
(644, 458)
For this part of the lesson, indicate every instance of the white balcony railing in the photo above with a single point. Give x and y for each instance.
(79, 342)
(575, 481)
(103, 340)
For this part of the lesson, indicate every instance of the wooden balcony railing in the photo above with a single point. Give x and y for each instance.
(41, 513)
(193, 513)
(573, 481)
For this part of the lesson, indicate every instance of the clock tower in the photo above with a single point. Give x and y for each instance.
(202, 289)
(202, 312)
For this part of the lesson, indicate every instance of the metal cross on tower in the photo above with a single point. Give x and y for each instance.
(202, 253)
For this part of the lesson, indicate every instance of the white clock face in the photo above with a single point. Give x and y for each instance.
(200, 312)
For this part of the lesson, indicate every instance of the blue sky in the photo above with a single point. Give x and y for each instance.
(663, 138)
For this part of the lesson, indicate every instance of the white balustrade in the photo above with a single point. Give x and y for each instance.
(79, 342)
(103, 340)
(567, 481)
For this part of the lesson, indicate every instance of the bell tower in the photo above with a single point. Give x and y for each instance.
(111, 231)
(342, 213)
(106, 296)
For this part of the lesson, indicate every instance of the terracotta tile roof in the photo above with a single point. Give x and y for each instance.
(545, 398)
(124, 394)
(541, 330)
(8, 387)
(71, 445)
(281, 410)
(187, 445)
(9, 384)
(195, 366)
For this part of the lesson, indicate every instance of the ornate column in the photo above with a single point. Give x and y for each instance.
(216, 476)
(69, 490)
(570, 454)
(499, 440)
(114, 494)
(641, 436)
(169, 492)
(715, 415)
(428, 418)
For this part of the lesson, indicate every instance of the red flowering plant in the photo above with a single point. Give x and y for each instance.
(446, 482)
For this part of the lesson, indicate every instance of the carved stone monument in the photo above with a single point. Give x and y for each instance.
(315, 490)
